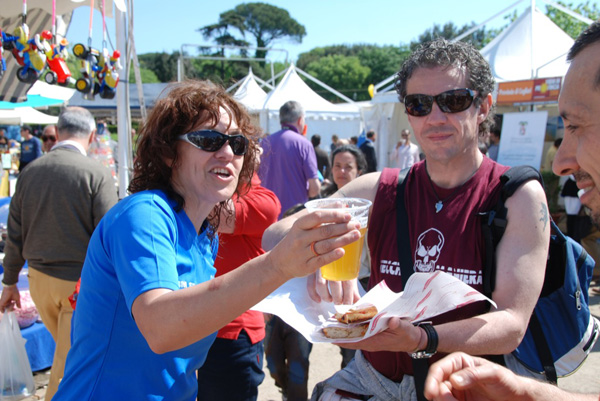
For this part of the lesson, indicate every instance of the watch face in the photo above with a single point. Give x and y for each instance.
(422, 355)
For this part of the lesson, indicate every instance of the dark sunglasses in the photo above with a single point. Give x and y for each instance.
(48, 138)
(211, 141)
(452, 101)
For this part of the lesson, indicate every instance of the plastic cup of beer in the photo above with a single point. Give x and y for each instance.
(347, 267)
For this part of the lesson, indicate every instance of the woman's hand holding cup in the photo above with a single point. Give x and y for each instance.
(314, 240)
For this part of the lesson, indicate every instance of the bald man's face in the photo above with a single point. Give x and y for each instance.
(579, 152)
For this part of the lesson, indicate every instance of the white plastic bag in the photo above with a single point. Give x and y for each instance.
(16, 378)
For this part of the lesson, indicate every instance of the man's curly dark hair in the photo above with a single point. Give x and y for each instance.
(442, 53)
(185, 106)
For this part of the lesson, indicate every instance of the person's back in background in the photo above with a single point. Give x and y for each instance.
(289, 165)
(368, 150)
(322, 158)
(59, 200)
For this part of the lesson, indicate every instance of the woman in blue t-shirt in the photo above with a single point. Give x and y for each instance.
(149, 304)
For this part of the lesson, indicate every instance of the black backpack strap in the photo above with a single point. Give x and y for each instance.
(494, 221)
(402, 238)
(420, 366)
(543, 350)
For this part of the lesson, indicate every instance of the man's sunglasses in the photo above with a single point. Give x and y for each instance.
(211, 141)
(46, 138)
(452, 101)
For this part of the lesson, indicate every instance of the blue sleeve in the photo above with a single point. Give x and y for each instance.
(142, 246)
(38, 148)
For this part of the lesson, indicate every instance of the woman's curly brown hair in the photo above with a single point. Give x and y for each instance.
(185, 106)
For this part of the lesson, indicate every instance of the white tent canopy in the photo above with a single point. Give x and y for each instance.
(292, 85)
(250, 94)
(322, 116)
(25, 115)
(531, 47)
(51, 91)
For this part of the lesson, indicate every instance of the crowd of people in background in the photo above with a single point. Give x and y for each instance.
(216, 221)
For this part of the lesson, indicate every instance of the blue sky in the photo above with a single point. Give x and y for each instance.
(166, 25)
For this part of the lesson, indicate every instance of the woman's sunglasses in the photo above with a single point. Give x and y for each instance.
(452, 101)
(211, 141)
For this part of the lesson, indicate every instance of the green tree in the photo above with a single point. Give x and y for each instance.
(572, 26)
(344, 73)
(164, 65)
(147, 76)
(219, 32)
(266, 23)
(478, 38)
(382, 62)
(74, 65)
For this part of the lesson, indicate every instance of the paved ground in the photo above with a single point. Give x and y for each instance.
(325, 360)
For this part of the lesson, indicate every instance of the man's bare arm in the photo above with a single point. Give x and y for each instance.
(520, 260)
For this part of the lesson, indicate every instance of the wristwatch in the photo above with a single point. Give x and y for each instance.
(432, 342)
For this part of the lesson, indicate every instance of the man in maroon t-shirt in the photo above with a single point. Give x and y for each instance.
(446, 89)
(579, 103)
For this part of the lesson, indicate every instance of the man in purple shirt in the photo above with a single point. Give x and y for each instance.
(289, 165)
(289, 169)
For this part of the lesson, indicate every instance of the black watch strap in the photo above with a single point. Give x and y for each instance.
(432, 342)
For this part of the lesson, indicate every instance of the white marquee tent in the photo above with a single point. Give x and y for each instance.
(322, 117)
(250, 94)
(25, 115)
(531, 47)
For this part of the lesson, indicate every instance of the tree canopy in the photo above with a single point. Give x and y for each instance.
(265, 22)
(350, 69)
(359, 66)
(572, 26)
(478, 38)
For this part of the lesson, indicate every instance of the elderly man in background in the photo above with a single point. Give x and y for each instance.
(289, 164)
(57, 204)
(289, 168)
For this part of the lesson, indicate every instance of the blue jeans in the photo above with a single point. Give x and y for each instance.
(287, 353)
(233, 370)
